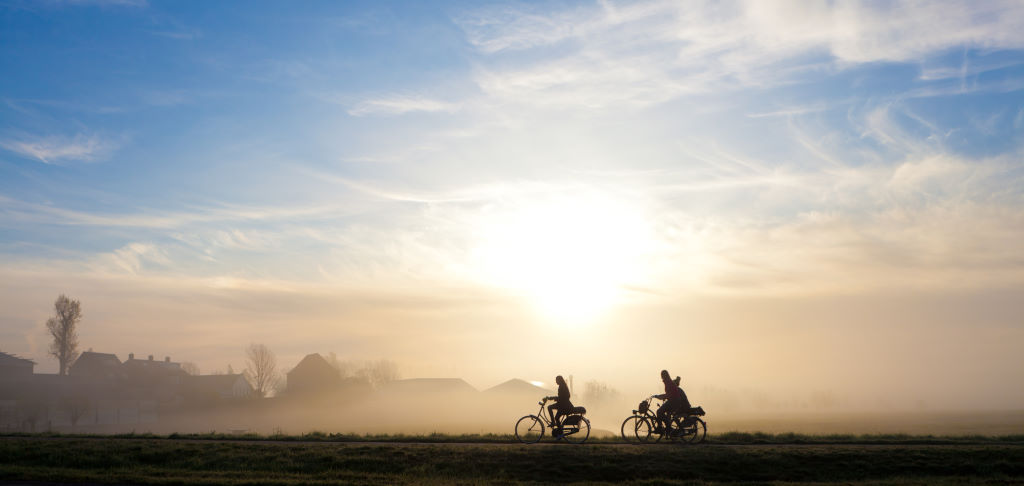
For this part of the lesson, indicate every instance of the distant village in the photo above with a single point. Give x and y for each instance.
(101, 393)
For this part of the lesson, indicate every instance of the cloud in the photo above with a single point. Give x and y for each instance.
(645, 53)
(107, 3)
(17, 210)
(130, 258)
(398, 105)
(178, 34)
(55, 149)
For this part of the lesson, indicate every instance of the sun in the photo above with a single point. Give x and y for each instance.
(570, 256)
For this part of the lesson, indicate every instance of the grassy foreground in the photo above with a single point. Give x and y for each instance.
(727, 438)
(168, 461)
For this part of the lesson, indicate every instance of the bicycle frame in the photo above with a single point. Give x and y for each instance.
(572, 427)
(543, 414)
(677, 422)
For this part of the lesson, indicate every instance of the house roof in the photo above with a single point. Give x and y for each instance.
(150, 364)
(517, 386)
(314, 363)
(10, 359)
(97, 359)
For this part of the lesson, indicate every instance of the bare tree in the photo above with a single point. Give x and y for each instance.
(261, 368)
(378, 372)
(77, 406)
(342, 366)
(596, 391)
(190, 368)
(62, 327)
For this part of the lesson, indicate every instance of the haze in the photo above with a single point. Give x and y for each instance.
(777, 201)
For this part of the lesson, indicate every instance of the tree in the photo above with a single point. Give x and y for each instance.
(76, 406)
(341, 366)
(62, 327)
(596, 391)
(261, 368)
(190, 368)
(378, 372)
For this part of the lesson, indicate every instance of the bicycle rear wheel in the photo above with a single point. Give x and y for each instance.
(629, 429)
(577, 434)
(700, 432)
(529, 429)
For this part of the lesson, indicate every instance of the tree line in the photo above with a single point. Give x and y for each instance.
(260, 362)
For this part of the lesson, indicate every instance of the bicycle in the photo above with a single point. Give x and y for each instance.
(645, 427)
(575, 428)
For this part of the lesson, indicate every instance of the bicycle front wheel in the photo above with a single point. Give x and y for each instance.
(647, 430)
(578, 433)
(529, 429)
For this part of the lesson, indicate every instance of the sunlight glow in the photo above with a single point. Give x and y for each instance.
(569, 256)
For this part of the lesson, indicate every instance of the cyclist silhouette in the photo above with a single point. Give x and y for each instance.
(675, 400)
(562, 405)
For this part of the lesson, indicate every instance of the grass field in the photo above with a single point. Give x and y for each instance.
(742, 459)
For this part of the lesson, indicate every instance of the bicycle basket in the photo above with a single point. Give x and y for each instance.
(571, 420)
(644, 405)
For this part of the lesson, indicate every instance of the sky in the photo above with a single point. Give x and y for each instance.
(771, 199)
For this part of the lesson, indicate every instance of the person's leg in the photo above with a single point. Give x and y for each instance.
(672, 408)
(663, 412)
(551, 413)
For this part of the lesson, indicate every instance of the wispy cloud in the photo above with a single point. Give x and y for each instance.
(178, 34)
(398, 105)
(130, 258)
(55, 149)
(162, 219)
(106, 3)
(648, 52)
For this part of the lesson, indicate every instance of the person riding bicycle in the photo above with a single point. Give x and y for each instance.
(562, 405)
(675, 400)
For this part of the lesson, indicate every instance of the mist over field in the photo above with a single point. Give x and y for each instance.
(810, 213)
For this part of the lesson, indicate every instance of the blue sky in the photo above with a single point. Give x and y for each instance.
(363, 176)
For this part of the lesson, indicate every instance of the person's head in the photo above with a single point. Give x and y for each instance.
(677, 381)
(560, 380)
(664, 374)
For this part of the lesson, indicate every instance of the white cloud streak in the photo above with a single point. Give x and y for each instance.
(649, 52)
(57, 149)
(398, 105)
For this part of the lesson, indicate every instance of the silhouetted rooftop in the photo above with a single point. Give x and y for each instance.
(6, 359)
(517, 386)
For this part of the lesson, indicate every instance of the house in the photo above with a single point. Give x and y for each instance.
(103, 366)
(517, 387)
(152, 372)
(313, 375)
(211, 388)
(513, 394)
(14, 367)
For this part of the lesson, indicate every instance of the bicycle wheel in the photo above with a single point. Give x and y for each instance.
(529, 429)
(682, 431)
(578, 434)
(630, 428)
(645, 430)
(700, 432)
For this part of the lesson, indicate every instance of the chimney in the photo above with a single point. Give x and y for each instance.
(131, 355)
(167, 359)
(151, 357)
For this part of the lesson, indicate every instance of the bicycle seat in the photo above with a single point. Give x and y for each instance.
(699, 411)
(579, 410)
